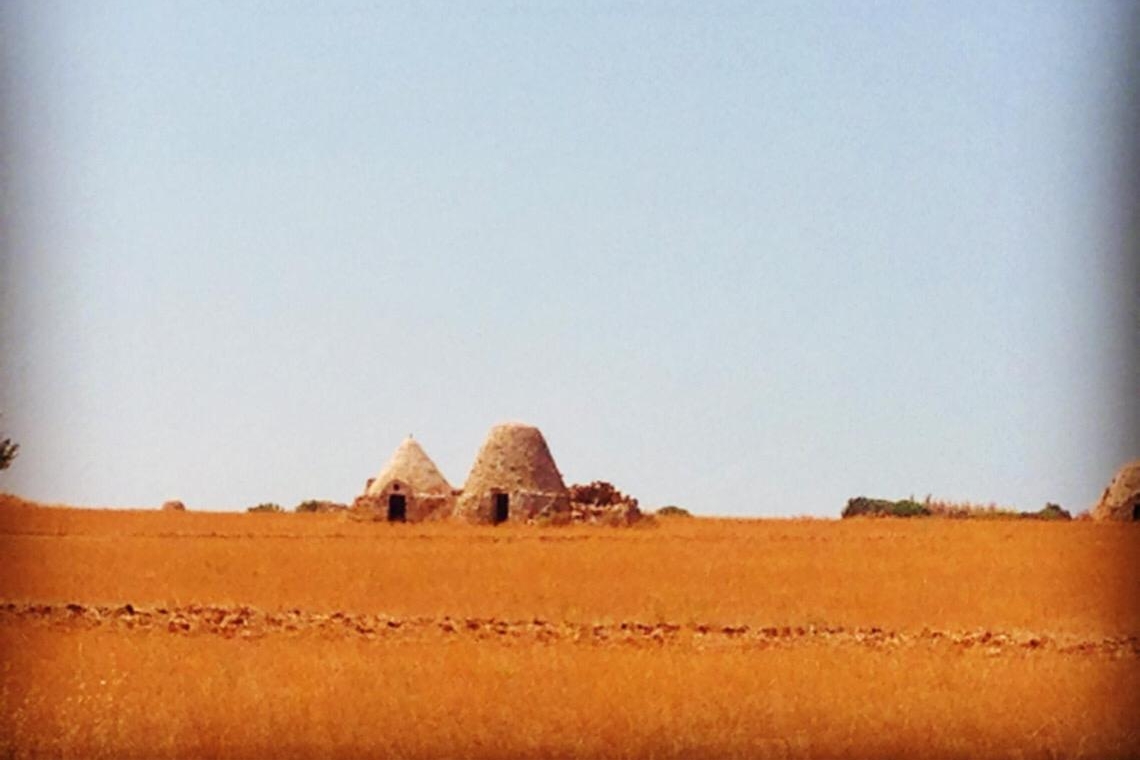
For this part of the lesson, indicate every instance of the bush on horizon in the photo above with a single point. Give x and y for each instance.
(1050, 511)
(266, 506)
(861, 506)
(312, 506)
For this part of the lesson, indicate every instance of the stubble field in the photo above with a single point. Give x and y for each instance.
(232, 635)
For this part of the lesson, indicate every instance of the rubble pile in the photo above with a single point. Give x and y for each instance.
(600, 502)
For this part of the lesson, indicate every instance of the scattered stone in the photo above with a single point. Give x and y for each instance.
(600, 502)
(250, 623)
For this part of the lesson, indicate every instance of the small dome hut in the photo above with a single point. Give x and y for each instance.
(1121, 500)
(513, 479)
(410, 488)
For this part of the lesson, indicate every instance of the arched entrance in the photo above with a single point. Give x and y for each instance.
(500, 508)
(397, 508)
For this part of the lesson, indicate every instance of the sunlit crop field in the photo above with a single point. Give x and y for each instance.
(215, 635)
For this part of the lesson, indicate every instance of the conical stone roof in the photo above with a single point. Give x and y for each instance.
(411, 466)
(515, 461)
(1121, 500)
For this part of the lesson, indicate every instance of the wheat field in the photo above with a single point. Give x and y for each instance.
(146, 634)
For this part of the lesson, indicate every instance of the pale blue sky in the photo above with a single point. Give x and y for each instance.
(750, 258)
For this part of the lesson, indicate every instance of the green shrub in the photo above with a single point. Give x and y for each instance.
(310, 505)
(673, 511)
(266, 506)
(909, 508)
(1050, 511)
(861, 506)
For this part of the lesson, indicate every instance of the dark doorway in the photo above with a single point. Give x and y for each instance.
(502, 508)
(1136, 512)
(397, 508)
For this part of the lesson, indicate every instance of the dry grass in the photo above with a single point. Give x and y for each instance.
(959, 509)
(101, 694)
(114, 691)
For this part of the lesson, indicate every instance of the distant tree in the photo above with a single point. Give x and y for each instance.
(7, 453)
(673, 511)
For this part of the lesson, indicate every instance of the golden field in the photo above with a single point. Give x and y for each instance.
(248, 635)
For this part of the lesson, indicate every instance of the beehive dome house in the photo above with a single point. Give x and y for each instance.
(1121, 499)
(513, 479)
(410, 488)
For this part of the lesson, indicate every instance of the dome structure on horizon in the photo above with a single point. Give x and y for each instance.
(1121, 499)
(513, 479)
(409, 488)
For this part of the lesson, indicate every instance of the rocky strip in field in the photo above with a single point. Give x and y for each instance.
(251, 623)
